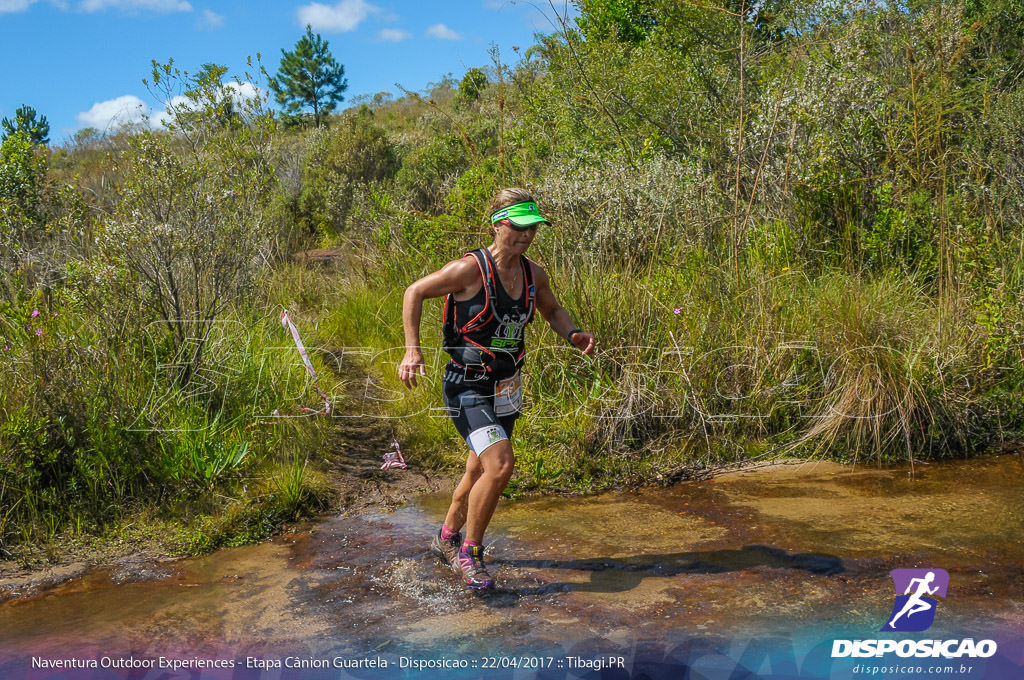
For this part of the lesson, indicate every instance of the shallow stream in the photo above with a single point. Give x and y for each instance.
(792, 552)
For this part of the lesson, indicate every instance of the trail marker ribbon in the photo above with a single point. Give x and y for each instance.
(288, 324)
(394, 459)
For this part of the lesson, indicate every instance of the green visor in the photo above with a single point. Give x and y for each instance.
(521, 215)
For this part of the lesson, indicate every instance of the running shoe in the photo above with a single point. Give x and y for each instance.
(446, 550)
(469, 563)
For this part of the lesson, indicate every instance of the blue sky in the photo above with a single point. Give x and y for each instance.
(81, 62)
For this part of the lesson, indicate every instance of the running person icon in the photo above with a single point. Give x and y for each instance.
(490, 297)
(916, 602)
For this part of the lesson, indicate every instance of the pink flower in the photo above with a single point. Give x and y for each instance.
(39, 331)
(35, 312)
(679, 310)
(6, 348)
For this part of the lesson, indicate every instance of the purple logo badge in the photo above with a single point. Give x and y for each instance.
(916, 592)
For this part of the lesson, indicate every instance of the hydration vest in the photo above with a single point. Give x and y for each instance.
(492, 341)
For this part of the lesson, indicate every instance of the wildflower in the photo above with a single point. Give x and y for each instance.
(679, 310)
(6, 348)
(39, 331)
(35, 312)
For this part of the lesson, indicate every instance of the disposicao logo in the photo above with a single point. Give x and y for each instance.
(914, 611)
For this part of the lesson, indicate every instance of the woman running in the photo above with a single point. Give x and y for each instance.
(490, 297)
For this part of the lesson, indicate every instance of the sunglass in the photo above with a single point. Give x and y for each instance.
(509, 223)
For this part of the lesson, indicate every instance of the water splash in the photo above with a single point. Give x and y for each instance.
(423, 582)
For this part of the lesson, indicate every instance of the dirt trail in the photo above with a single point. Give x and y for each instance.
(358, 446)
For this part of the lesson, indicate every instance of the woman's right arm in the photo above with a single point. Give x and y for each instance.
(456, 276)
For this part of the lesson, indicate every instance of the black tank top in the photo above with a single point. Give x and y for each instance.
(486, 332)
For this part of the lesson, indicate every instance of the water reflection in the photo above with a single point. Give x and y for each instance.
(622, 574)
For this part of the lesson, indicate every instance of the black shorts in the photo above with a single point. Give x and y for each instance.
(483, 409)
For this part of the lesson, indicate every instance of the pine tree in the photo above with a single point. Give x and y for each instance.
(25, 121)
(309, 77)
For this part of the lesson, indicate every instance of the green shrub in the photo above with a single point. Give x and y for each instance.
(352, 154)
(430, 171)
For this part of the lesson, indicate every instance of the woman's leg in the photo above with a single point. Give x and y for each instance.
(496, 464)
(456, 517)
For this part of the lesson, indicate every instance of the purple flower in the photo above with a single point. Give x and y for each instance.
(6, 348)
(679, 310)
(39, 331)
(35, 312)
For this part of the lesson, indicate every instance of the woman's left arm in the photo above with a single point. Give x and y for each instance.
(556, 316)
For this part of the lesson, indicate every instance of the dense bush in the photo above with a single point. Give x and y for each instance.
(121, 326)
(341, 161)
(848, 162)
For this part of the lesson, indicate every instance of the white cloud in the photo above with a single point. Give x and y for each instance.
(132, 5)
(174, 105)
(210, 20)
(130, 110)
(114, 113)
(340, 18)
(442, 32)
(241, 94)
(394, 35)
(7, 6)
(244, 92)
(14, 5)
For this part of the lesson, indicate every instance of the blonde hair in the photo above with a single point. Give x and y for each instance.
(503, 199)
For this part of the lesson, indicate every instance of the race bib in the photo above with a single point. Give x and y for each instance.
(508, 396)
